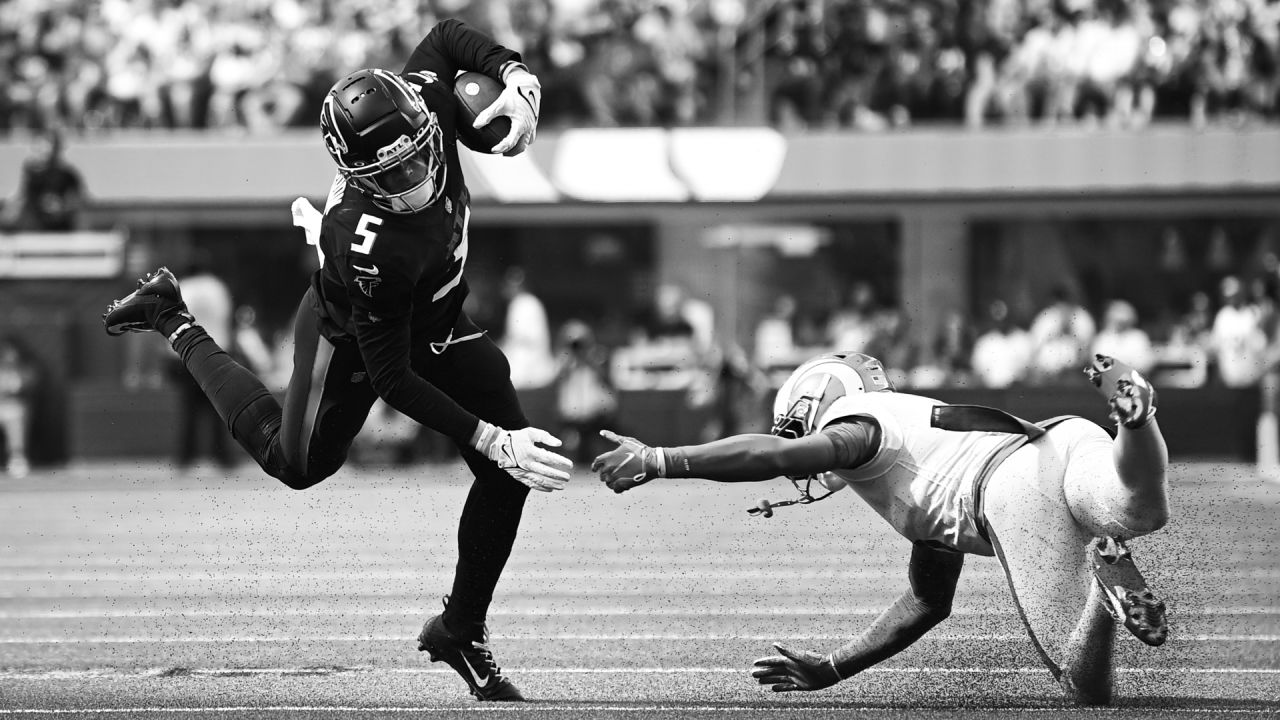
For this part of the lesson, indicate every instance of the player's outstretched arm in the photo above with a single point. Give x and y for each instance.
(740, 458)
(452, 45)
(933, 575)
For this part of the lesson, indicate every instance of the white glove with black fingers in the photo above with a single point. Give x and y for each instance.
(517, 452)
(521, 101)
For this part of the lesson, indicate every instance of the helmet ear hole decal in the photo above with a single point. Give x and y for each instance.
(820, 381)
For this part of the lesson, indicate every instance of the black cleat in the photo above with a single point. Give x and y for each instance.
(470, 659)
(1131, 398)
(1126, 595)
(157, 296)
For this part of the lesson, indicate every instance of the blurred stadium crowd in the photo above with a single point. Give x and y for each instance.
(262, 64)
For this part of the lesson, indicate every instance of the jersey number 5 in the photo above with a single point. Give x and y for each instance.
(366, 232)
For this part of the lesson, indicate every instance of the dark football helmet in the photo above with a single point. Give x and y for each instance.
(384, 140)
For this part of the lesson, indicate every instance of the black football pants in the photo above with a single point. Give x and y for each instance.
(327, 401)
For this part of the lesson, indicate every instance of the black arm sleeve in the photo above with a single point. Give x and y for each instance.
(385, 347)
(857, 440)
(756, 457)
(933, 575)
(452, 45)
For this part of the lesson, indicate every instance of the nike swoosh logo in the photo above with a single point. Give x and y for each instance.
(480, 682)
(370, 270)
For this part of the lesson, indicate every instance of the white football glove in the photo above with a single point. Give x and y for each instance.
(521, 101)
(517, 452)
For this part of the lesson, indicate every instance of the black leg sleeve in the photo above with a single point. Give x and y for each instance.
(478, 376)
(241, 400)
(486, 533)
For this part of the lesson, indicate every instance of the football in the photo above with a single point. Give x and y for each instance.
(475, 92)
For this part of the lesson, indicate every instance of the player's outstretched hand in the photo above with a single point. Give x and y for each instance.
(518, 452)
(521, 101)
(792, 670)
(630, 464)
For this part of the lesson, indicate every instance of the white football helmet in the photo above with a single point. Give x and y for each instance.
(811, 389)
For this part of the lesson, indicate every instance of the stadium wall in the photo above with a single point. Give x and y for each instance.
(687, 185)
(147, 170)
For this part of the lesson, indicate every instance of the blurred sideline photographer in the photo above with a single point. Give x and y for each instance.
(209, 299)
(50, 193)
(17, 380)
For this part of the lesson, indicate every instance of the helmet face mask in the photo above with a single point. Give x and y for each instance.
(802, 413)
(385, 141)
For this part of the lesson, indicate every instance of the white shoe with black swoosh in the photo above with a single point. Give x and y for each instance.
(471, 659)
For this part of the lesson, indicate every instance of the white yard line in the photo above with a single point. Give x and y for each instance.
(488, 708)
(329, 610)
(160, 673)
(594, 637)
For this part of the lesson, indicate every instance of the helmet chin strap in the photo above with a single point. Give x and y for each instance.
(765, 506)
(812, 401)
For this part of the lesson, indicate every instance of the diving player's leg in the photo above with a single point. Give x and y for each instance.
(1087, 677)
(1039, 543)
(1118, 488)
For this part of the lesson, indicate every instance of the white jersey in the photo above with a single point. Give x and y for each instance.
(922, 478)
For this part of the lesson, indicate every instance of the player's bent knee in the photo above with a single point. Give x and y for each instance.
(300, 480)
(1148, 521)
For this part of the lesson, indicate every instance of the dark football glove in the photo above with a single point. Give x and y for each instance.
(630, 464)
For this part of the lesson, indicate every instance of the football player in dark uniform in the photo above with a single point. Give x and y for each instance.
(383, 318)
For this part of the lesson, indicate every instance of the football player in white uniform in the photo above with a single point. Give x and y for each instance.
(1054, 501)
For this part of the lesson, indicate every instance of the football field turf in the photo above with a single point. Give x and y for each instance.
(127, 589)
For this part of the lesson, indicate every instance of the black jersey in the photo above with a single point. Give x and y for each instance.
(394, 281)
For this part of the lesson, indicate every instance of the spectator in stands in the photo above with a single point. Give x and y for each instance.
(665, 322)
(1002, 355)
(949, 354)
(198, 424)
(775, 345)
(526, 335)
(251, 349)
(1181, 362)
(50, 193)
(1062, 333)
(893, 339)
(854, 326)
(1120, 336)
(869, 64)
(1238, 340)
(586, 400)
(17, 379)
